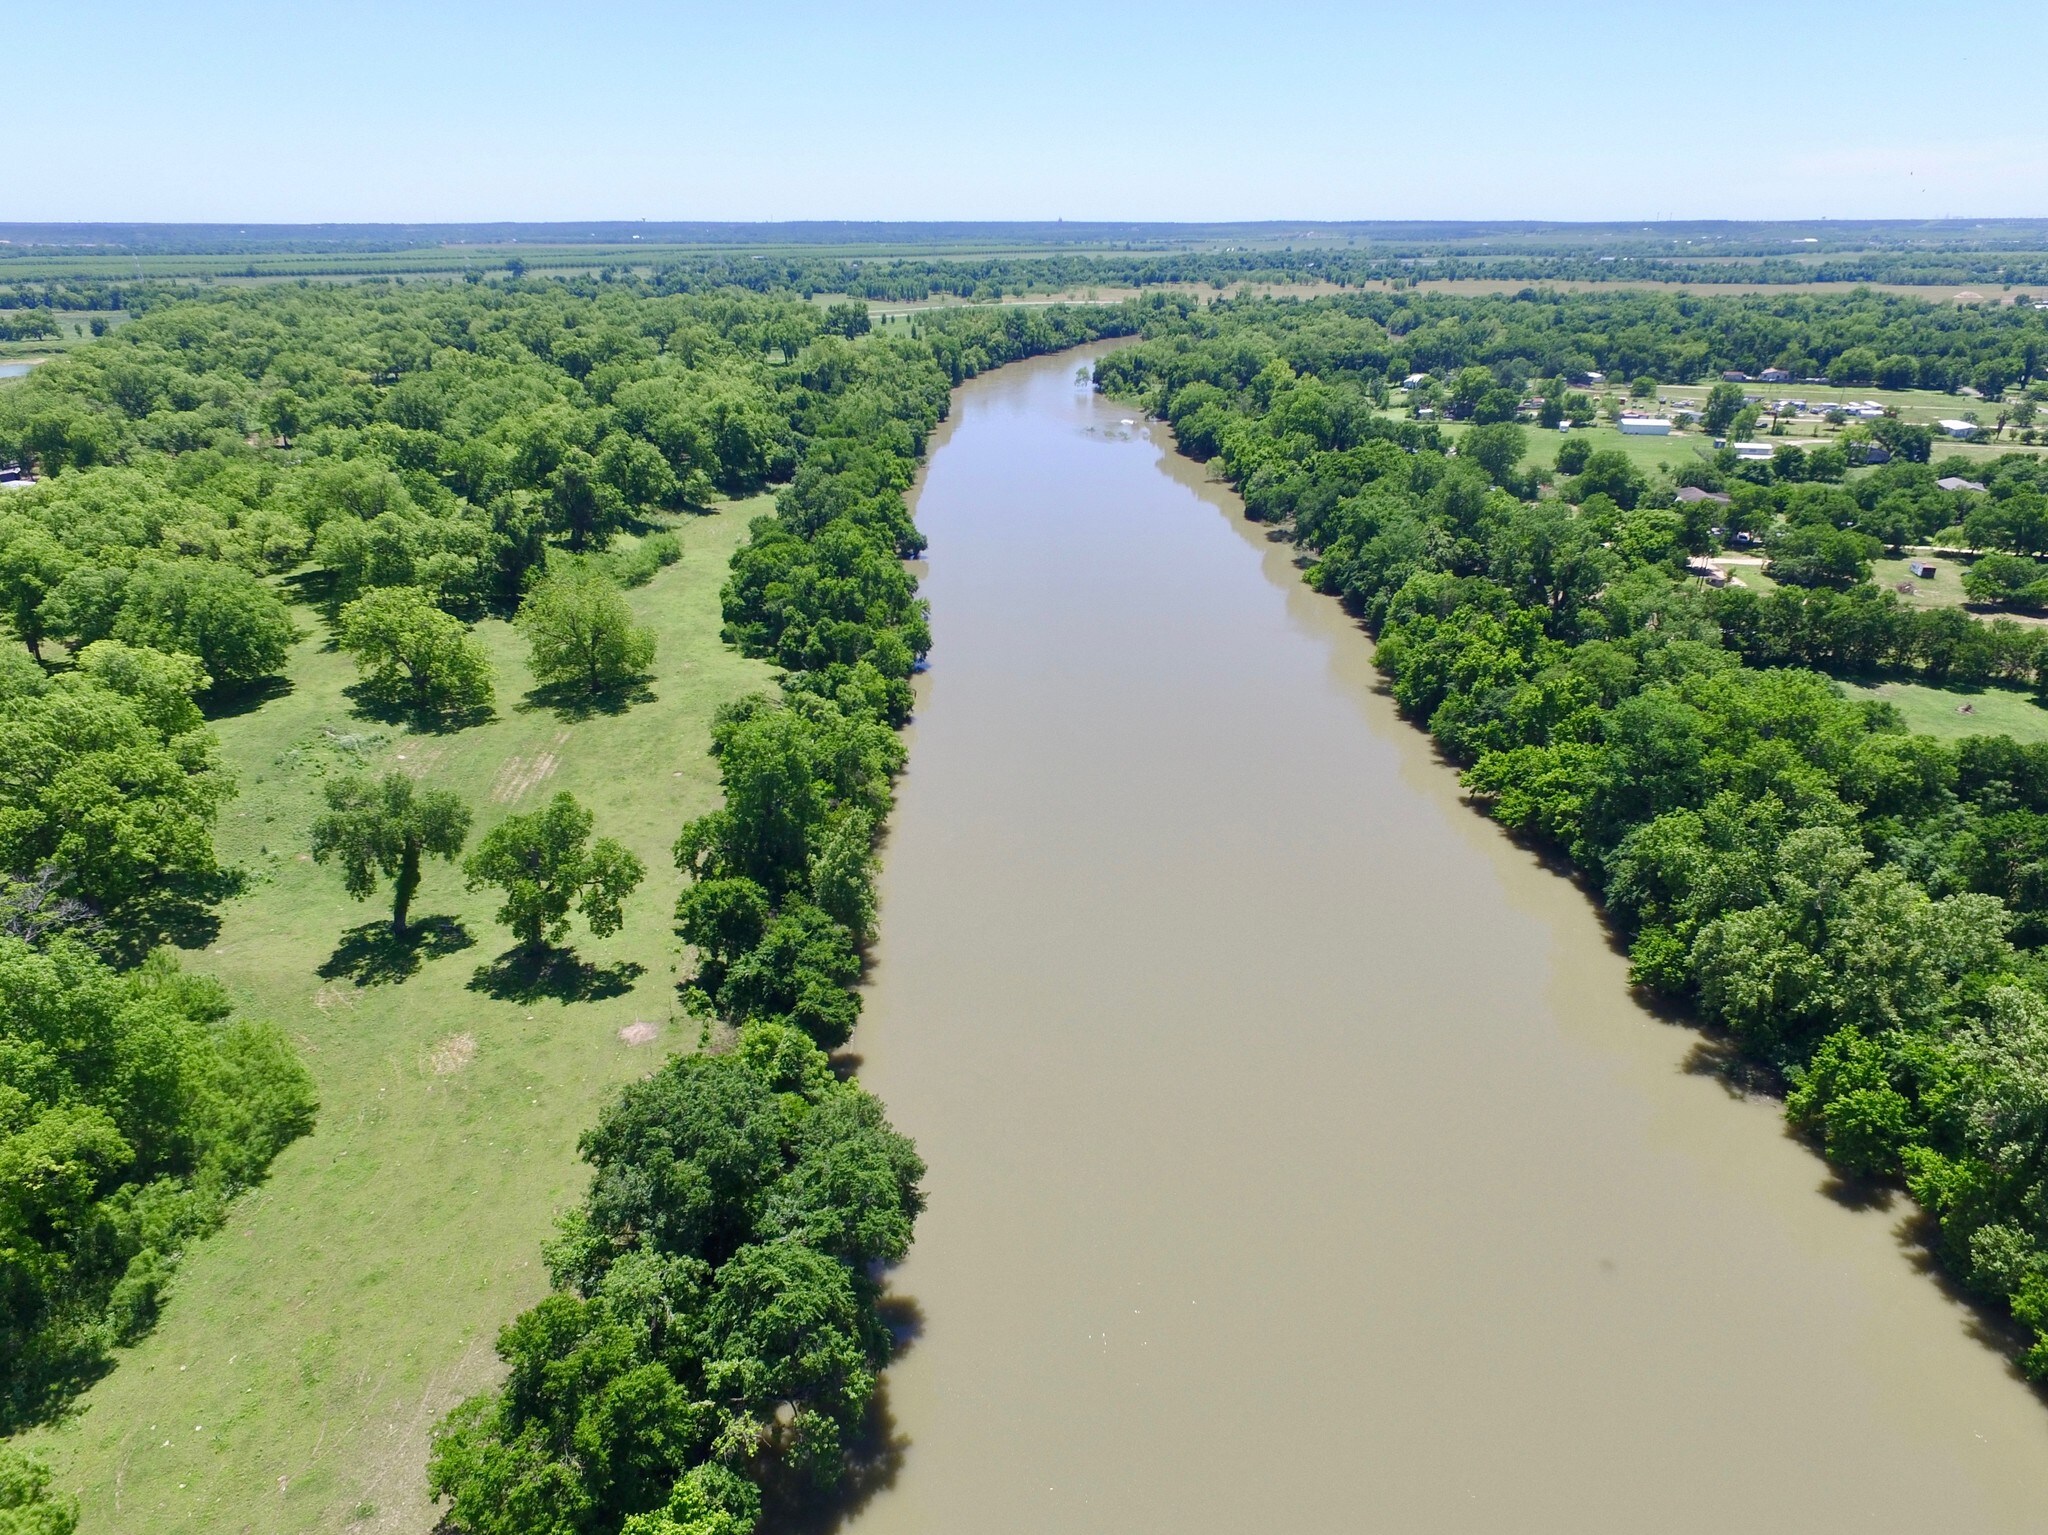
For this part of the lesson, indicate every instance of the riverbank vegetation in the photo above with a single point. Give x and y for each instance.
(236, 495)
(1852, 907)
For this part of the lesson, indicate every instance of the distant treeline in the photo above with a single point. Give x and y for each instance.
(1856, 338)
(1859, 909)
(985, 277)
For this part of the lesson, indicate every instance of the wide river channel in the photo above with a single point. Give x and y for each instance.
(1299, 1161)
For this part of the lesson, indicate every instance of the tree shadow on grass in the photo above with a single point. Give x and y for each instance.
(225, 702)
(527, 975)
(422, 722)
(572, 704)
(373, 955)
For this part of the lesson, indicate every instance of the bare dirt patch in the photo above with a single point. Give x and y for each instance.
(521, 774)
(452, 1054)
(639, 1033)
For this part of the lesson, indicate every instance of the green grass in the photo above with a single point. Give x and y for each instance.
(1944, 590)
(1939, 711)
(310, 1346)
(1647, 453)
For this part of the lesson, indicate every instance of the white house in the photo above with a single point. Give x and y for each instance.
(1753, 450)
(1415, 381)
(1957, 428)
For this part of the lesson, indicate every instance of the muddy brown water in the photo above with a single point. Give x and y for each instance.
(1298, 1159)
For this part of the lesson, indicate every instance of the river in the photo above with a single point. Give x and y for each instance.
(1299, 1160)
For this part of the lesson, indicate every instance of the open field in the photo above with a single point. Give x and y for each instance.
(351, 1300)
(1941, 711)
(1647, 453)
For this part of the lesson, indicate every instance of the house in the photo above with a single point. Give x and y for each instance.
(1692, 495)
(1734, 376)
(1867, 452)
(1645, 426)
(1924, 569)
(1753, 452)
(1415, 381)
(1957, 428)
(1774, 376)
(1954, 482)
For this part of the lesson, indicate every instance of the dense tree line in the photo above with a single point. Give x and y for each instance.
(1854, 338)
(1861, 909)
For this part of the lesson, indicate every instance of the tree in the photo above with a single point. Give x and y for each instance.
(1856, 366)
(387, 828)
(27, 1506)
(233, 622)
(414, 657)
(1496, 448)
(582, 631)
(1814, 554)
(1611, 473)
(1723, 401)
(135, 1108)
(32, 563)
(99, 778)
(546, 863)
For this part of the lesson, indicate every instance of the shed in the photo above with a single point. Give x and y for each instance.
(1924, 569)
(1645, 426)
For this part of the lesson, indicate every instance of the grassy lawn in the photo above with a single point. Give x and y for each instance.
(1943, 590)
(1939, 711)
(352, 1299)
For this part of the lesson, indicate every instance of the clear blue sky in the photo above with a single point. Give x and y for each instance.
(371, 110)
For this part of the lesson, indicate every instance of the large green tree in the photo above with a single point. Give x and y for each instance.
(414, 657)
(387, 827)
(545, 863)
(582, 631)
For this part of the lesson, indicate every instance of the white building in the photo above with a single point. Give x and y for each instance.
(1957, 428)
(1645, 426)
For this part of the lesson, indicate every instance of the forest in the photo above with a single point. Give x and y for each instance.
(1855, 911)
(393, 466)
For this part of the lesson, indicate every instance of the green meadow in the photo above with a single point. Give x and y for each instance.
(309, 1347)
(1952, 713)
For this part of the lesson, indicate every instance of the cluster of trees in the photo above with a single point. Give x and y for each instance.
(1548, 333)
(132, 1108)
(714, 1335)
(1860, 908)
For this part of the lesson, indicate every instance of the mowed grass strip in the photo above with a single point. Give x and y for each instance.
(1952, 713)
(309, 1346)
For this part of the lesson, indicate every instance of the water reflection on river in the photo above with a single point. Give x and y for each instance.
(1298, 1160)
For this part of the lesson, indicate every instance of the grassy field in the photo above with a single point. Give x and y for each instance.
(1646, 453)
(1942, 711)
(352, 1299)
